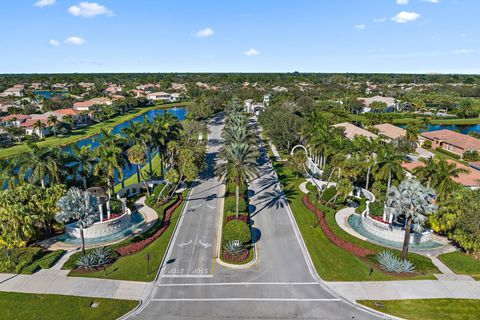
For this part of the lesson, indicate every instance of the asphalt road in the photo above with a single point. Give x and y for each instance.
(281, 285)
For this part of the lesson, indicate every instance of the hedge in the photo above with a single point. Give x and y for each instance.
(20, 258)
(448, 153)
(237, 230)
(230, 204)
(329, 194)
(45, 262)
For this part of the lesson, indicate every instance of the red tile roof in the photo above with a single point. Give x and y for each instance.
(70, 111)
(16, 116)
(459, 140)
(30, 122)
(470, 179)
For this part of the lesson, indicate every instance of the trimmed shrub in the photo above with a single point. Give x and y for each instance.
(116, 206)
(448, 153)
(231, 189)
(19, 259)
(237, 230)
(230, 203)
(376, 209)
(427, 144)
(328, 194)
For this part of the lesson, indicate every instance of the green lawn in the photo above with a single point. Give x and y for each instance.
(428, 309)
(461, 263)
(133, 178)
(86, 132)
(134, 267)
(331, 262)
(27, 306)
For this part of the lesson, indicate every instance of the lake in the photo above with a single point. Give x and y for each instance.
(49, 94)
(465, 129)
(180, 113)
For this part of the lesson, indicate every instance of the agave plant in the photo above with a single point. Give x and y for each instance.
(102, 256)
(391, 263)
(86, 262)
(233, 247)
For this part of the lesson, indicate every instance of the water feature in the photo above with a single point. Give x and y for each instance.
(136, 222)
(355, 222)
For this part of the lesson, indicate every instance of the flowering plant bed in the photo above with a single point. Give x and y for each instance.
(356, 250)
(241, 217)
(379, 219)
(138, 246)
(235, 258)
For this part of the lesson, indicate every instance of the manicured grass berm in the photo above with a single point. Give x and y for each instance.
(28, 306)
(428, 309)
(462, 263)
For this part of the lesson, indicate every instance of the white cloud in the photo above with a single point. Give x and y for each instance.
(405, 16)
(53, 43)
(463, 36)
(44, 3)
(204, 33)
(464, 51)
(360, 27)
(89, 10)
(432, 1)
(251, 52)
(75, 41)
(402, 2)
(380, 20)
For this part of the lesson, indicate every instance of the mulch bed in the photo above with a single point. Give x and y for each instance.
(241, 217)
(350, 247)
(235, 258)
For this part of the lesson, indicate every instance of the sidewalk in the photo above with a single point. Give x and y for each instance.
(408, 289)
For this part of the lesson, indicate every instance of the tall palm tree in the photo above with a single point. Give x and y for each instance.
(41, 163)
(426, 171)
(137, 154)
(413, 202)
(53, 121)
(442, 180)
(164, 128)
(83, 161)
(240, 165)
(39, 126)
(389, 164)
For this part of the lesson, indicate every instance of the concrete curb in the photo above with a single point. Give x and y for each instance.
(219, 241)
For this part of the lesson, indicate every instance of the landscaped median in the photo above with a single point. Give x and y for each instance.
(138, 258)
(337, 255)
(236, 246)
(15, 306)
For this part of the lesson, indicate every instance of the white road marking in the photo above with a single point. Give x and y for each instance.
(184, 244)
(204, 244)
(187, 276)
(237, 284)
(211, 206)
(247, 299)
(195, 207)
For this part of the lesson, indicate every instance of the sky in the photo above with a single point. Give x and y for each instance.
(391, 36)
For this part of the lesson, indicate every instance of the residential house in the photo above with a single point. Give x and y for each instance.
(112, 89)
(470, 179)
(90, 104)
(451, 141)
(391, 103)
(80, 118)
(87, 85)
(160, 96)
(145, 87)
(15, 91)
(6, 139)
(14, 120)
(60, 86)
(390, 131)
(138, 93)
(352, 130)
(30, 129)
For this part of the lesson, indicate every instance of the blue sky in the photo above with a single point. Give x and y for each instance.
(48, 36)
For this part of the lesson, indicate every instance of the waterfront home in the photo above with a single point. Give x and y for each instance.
(87, 85)
(59, 86)
(138, 93)
(112, 89)
(30, 127)
(160, 96)
(470, 179)
(90, 104)
(451, 141)
(79, 118)
(37, 86)
(391, 103)
(352, 130)
(390, 131)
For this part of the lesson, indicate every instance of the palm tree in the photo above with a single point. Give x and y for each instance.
(389, 165)
(53, 121)
(412, 131)
(413, 202)
(164, 128)
(39, 126)
(40, 163)
(367, 149)
(110, 158)
(137, 155)
(442, 180)
(240, 165)
(426, 171)
(83, 160)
